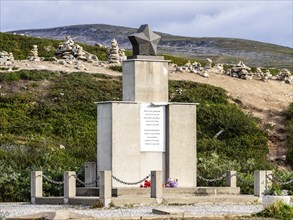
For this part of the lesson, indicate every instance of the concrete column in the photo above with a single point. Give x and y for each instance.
(156, 185)
(261, 182)
(90, 174)
(231, 179)
(36, 185)
(69, 185)
(106, 187)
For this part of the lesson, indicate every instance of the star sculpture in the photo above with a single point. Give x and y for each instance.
(144, 41)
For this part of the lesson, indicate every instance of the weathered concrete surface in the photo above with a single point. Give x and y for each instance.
(145, 192)
(57, 215)
(119, 143)
(181, 146)
(145, 80)
(167, 211)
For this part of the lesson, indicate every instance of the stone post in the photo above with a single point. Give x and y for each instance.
(261, 182)
(156, 185)
(231, 178)
(90, 174)
(106, 187)
(36, 185)
(69, 178)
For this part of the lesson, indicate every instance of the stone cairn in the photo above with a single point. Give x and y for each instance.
(6, 59)
(285, 76)
(34, 54)
(240, 70)
(71, 53)
(116, 55)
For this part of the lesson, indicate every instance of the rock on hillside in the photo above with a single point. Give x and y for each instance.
(221, 50)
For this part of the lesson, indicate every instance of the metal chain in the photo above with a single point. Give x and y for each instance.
(243, 181)
(80, 171)
(84, 183)
(212, 180)
(52, 181)
(274, 179)
(130, 183)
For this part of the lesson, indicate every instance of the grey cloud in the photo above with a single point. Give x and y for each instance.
(267, 21)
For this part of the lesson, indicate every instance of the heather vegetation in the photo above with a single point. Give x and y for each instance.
(48, 122)
(289, 125)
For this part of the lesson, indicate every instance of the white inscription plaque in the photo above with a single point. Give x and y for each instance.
(152, 127)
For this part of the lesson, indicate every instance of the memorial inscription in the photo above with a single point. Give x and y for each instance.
(152, 128)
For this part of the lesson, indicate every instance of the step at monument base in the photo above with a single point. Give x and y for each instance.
(145, 192)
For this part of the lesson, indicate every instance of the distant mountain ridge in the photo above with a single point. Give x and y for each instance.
(224, 50)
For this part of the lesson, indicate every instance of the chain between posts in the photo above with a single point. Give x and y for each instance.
(84, 183)
(243, 181)
(52, 181)
(130, 183)
(212, 180)
(274, 179)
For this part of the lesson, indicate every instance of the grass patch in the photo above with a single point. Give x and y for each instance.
(117, 68)
(278, 211)
(33, 75)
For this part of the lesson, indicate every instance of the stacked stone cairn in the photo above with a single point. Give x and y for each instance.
(116, 55)
(264, 76)
(6, 59)
(285, 76)
(34, 54)
(72, 53)
(219, 68)
(240, 70)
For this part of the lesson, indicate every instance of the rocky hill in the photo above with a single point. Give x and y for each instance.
(224, 50)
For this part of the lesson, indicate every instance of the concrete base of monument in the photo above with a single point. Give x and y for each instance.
(167, 200)
(145, 192)
(141, 196)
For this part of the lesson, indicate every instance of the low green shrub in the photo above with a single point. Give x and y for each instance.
(9, 77)
(117, 68)
(278, 210)
(289, 126)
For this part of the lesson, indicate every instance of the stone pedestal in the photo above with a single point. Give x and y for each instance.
(119, 143)
(181, 147)
(69, 185)
(261, 182)
(90, 174)
(36, 185)
(145, 132)
(145, 80)
(122, 142)
(106, 187)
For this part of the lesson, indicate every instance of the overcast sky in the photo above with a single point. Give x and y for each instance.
(268, 21)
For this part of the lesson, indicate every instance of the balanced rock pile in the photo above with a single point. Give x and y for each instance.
(240, 70)
(6, 59)
(34, 54)
(71, 51)
(116, 55)
(285, 76)
(265, 76)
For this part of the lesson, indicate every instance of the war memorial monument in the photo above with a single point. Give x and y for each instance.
(144, 131)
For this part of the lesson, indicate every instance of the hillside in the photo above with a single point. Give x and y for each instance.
(48, 119)
(224, 50)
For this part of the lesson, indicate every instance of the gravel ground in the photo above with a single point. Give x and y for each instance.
(20, 209)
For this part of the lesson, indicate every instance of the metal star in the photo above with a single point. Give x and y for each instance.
(144, 41)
